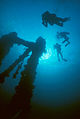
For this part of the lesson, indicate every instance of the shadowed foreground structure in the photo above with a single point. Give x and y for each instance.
(7, 41)
(19, 106)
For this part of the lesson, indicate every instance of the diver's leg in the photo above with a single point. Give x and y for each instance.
(58, 56)
(65, 19)
(64, 41)
(58, 22)
(67, 40)
(44, 22)
(62, 57)
(67, 44)
(60, 19)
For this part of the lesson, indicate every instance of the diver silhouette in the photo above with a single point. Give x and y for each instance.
(20, 104)
(64, 35)
(59, 53)
(48, 18)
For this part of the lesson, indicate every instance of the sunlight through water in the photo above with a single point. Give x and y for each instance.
(46, 55)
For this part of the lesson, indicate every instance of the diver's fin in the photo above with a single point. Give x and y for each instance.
(66, 19)
(65, 60)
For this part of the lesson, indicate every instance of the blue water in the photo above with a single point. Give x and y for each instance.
(56, 83)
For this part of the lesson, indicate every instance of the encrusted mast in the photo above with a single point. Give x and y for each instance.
(19, 107)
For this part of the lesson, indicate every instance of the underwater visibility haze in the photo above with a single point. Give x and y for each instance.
(39, 59)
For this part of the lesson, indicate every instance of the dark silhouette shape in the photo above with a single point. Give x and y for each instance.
(64, 35)
(48, 18)
(7, 71)
(20, 105)
(17, 71)
(59, 53)
(7, 41)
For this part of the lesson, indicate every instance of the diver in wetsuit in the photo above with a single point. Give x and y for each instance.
(59, 53)
(65, 36)
(48, 18)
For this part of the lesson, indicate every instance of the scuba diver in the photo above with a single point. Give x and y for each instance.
(65, 36)
(59, 53)
(48, 18)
